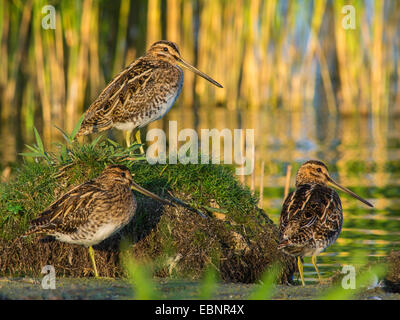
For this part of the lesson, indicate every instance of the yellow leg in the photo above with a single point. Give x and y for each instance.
(300, 266)
(91, 254)
(127, 135)
(139, 140)
(314, 262)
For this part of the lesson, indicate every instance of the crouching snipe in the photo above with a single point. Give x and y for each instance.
(92, 211)
(312, 216)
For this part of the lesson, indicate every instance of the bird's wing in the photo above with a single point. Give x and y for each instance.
(310, 206)
(98, 117)
(285, 212)
(154, 85)
(71, 210)
(125, 96)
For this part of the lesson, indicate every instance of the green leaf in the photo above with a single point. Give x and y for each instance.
(114, 143)
(31, 154)
(139, 276)
(64, 134)
(77, 127)
(266, 289)
(209, 284)
(33, 148)
(96, 141)
(14, 208)
(38, 140)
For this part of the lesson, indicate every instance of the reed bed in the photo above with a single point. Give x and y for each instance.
(268, 55)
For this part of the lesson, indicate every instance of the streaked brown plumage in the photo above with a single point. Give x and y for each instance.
(312, 215)
(92, 211)
(141, 93)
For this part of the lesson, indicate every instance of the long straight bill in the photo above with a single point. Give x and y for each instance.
(136, 187)
(349, 192)
(198, 72)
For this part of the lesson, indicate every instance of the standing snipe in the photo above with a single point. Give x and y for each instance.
(92, 211)
(141, 93)
(312, 216)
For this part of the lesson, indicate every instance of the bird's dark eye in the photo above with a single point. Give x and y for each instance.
(319, 170)
(123, 175)
(165, 49)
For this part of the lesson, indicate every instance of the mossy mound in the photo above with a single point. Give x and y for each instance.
(392, 280)
(237, 237)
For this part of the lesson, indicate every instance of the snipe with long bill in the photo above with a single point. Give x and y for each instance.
(141, 93)
(312, 216)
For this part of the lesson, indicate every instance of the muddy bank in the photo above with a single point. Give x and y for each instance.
(75, 288)
(236, 237)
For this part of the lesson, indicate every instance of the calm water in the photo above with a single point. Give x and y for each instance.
(363, 154)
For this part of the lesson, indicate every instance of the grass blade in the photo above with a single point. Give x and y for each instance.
(38, 140)
(209, 284)
(77, 127)
(266, 289)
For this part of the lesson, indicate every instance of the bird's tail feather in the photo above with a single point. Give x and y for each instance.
(32, 230)
(26, 234)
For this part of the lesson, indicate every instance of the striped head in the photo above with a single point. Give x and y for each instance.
(165, 50)
(316, 172)
(312, 171)
(168, 51)
(113, 174)
(116, 174)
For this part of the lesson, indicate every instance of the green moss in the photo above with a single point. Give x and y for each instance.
(23, 197)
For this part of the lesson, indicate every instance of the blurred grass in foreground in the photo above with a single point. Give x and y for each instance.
(366, 276)
(144, 287)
